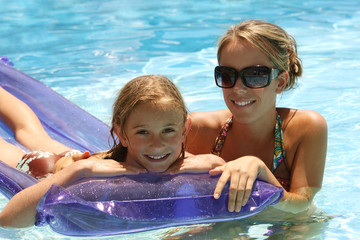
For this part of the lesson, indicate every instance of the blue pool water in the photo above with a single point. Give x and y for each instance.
(87, 50)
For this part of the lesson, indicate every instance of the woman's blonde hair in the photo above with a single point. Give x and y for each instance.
(275, 42)
(147, 88)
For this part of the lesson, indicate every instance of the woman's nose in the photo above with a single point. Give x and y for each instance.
(239, 87)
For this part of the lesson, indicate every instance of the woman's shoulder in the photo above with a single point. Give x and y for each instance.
(209, 119)
(302, 120)
(205, 127)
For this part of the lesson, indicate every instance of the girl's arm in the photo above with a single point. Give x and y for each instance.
(25, 125)
(196, 163)
(21, 209)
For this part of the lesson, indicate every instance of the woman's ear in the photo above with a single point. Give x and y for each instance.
(120, 135)
(282, 81)
(187, 127)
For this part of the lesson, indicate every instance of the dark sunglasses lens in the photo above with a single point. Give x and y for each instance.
(256, 77)
(225, 77)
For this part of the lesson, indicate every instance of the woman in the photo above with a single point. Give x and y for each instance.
(283, 146)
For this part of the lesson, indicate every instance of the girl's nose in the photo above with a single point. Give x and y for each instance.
(157, 141)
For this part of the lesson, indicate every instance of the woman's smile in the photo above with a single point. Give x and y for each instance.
(244, 103)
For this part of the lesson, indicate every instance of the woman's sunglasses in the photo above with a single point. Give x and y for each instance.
(252, 77)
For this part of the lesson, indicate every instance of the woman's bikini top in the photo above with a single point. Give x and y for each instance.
(279, 151)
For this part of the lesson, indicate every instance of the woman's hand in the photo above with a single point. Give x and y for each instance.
(242, 173)
(196, 164)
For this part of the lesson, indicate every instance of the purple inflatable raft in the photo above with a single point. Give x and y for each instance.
(117, 205)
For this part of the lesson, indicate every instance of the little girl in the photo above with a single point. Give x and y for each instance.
(149, 129)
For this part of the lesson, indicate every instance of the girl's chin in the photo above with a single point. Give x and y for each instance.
(158, 165)
(157, 170)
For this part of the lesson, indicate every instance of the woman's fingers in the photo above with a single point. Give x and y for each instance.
(234, 192)
(243, 191)
(220, 184)
(241, 183)
(240, 189)
(249, 185)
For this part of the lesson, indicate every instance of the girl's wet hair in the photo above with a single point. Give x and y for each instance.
(275, 42)
(148, 88)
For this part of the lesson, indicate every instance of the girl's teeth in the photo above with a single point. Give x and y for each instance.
(157, 156)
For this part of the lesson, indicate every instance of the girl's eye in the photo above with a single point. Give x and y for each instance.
(168, 130)
(142, 132)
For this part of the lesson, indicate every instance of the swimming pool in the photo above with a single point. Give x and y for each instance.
(86, 50)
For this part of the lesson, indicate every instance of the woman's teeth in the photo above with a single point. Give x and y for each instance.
(243, 103)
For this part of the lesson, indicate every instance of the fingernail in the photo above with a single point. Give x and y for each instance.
(216, 195)
(238, 209)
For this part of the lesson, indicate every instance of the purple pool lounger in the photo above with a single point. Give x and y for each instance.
(117, 205)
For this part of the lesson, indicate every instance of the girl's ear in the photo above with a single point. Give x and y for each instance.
(119, 134)
(187, 126)
(282, 81)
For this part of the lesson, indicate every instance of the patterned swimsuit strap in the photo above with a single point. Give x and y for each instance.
(279, 152)
(219, 142)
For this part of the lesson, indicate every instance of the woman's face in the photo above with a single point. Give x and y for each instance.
(154, 133)
(247, 104)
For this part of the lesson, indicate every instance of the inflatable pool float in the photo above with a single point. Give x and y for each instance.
(117, 205)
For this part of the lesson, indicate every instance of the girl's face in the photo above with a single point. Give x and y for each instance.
(247, 104)
(154, 133)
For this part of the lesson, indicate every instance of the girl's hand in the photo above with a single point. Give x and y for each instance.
(242, 173)
(196, 164)
(66, 161)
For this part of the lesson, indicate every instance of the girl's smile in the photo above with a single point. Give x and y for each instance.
(154, 133)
